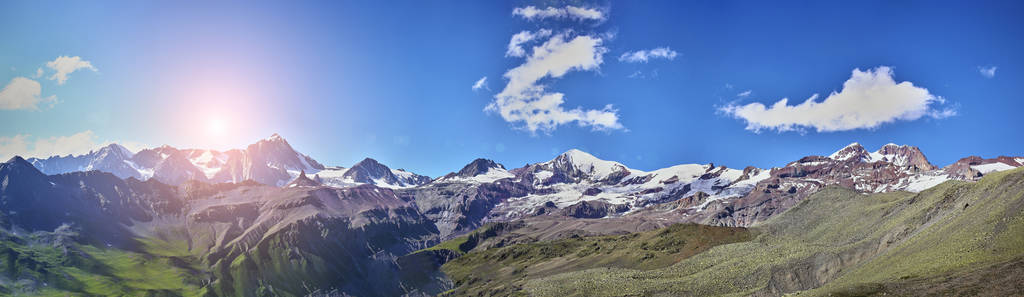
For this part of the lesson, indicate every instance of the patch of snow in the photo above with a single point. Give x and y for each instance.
(813, 163)
(203, 158)
(992, 167)
(146, 173)
(923, 182)
(492, 175)
(875, 157)
(542, 175)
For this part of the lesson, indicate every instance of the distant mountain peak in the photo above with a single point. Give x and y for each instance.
(904, 155)
(113, 150)
(579, 164)
(850, 151)
(17, 160)
(274, 137)
(478, 167)
(18, 165)
(367, 170)
(366, 160)
(577, 153)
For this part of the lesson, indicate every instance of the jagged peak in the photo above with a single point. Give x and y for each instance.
(17, 159)
(19, 162)
(578, 157)
(114, 145)
(115, 148)
(365, 162)
(274, 137)
(479, 166)
(576, 153)
(849, 151)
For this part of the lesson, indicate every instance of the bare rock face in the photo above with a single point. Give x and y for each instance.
(478, 167)
(961, 169)
(903, 155)
(459, 206)
(592, 209)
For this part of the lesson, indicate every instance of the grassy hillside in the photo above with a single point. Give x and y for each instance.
(499, 271)
(837, 242)
(32, 268)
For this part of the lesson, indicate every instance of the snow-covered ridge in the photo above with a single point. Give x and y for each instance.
(614, 183)
(270, 161)
(590, 165)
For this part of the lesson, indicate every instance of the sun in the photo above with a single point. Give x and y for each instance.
(216, 127)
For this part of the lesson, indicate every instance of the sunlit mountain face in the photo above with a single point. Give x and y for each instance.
(581, 148)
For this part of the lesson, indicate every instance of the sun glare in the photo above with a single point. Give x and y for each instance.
(215, 127)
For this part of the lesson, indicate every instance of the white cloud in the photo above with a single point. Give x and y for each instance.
(39, 73)
(515, 44)
(481, 84)
(524, 100)
(23, 93)
(22, 145)
(573, 12)
(745, 93)
(868, 99)
(644, 55)
(65, 65)
(988, 72)
(28, 146)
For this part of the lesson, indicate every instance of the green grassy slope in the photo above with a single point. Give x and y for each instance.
(837, 242)
(500, 271)
(34, 269)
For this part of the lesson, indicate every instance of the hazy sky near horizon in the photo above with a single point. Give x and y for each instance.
(429, 86)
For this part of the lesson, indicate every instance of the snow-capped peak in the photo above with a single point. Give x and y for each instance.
(117, 149)
(582, 162)
(274, 137)
(850, 151)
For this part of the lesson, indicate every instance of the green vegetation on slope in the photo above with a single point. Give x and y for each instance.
(503, 270)
(837, 242)
(70, 269)
(463, 244)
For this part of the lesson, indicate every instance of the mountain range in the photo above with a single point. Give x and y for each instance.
(590, 186)
(268, 220)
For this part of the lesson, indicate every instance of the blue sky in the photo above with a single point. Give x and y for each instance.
(344, 80)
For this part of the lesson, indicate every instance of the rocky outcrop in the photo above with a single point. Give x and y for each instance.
(906, 156)
(303, 181)
(458, 207)
(478, 167)
(592, 209)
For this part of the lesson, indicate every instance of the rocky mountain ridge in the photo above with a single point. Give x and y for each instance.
(574, 184)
